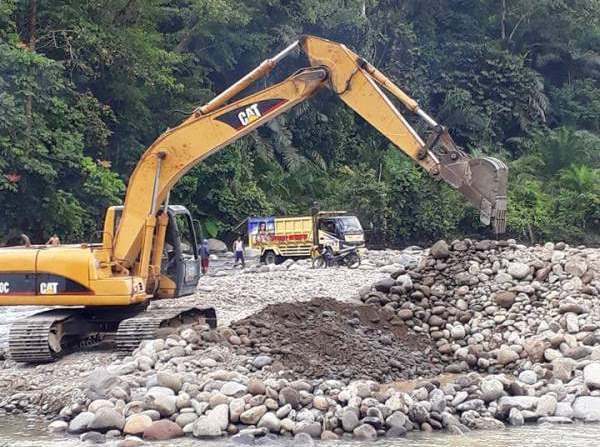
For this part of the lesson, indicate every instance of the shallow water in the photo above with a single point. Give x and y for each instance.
(20, 432)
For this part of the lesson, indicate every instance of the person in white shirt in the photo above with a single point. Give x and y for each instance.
(238, 249)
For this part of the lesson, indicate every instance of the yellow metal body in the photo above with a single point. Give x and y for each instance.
(125, 268)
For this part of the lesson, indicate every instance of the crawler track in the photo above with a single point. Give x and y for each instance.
(152, 323)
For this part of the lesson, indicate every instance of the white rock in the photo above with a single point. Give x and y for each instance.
(591, 375)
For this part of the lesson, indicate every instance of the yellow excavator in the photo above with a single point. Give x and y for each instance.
(148, 249)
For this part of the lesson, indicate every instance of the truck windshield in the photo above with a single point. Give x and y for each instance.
(350, 224)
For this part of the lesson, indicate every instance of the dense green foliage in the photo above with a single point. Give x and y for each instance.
(86, 86)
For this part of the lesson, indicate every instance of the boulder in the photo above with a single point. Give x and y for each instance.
(384, 285)
(100, 383)
(99, 403)
(107, 418)
(163, 430)
(216, 246)
(136, 424)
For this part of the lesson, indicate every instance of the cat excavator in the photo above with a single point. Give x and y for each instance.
(148, 249)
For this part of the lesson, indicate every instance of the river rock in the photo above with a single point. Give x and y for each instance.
(518, 270)
(515, 417)
(587, 408)
(256, 387)
(92, 437)
(206, 428)
(505, 299)
(528, 403)
(491, 389)
(314, 429)
(349, 420)
(303, 440)
(562, 368)
(487, 423)
(253, 415)
(591, 375)
(163, 430)
(169, 380)
(164, 403)
(289, 395)
(58, 426)
(234, 389)
(271, 422)
(440, 250)
(81, 422)
(219, 416)
(505, 356)
(437, 399)
(546, 405)
(529, 377)
(99, 403)
(136, 424)
(365, 432)
(107, 418)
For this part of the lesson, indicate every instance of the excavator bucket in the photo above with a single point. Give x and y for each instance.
(483, 181)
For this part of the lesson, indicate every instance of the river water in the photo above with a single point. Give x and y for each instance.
(21, 432)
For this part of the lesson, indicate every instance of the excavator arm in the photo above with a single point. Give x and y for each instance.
(483, 181)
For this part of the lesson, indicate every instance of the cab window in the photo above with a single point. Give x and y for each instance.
(186, 236)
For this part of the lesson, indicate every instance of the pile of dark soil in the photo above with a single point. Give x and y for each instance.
(325, 338)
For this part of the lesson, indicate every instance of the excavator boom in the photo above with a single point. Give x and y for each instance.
(218, 123)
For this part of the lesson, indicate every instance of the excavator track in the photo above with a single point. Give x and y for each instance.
(155, 322)
(37, 338)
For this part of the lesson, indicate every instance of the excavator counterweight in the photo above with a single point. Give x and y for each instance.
(149, 248)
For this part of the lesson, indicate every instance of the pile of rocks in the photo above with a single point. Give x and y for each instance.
(161, 393)
(494, 305)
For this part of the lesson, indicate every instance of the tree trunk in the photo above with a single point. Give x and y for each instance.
(31, 45)
(503, 21)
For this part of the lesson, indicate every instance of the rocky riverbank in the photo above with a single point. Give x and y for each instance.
(477, 335)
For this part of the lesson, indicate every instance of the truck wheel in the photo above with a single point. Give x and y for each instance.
(270, 258)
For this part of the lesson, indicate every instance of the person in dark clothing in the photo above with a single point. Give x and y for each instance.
(204, 256)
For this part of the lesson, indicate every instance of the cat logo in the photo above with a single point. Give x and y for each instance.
(4, 287)
(249, 115)
(48, 288)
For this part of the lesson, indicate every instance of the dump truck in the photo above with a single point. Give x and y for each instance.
(277, 238)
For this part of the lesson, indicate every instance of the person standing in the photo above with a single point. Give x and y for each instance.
(204, 256)
(238, 249)
(54, 240)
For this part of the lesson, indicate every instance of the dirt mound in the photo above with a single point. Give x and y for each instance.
(328, 338)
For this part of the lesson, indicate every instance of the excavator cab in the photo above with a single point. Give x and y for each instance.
(180, 269)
